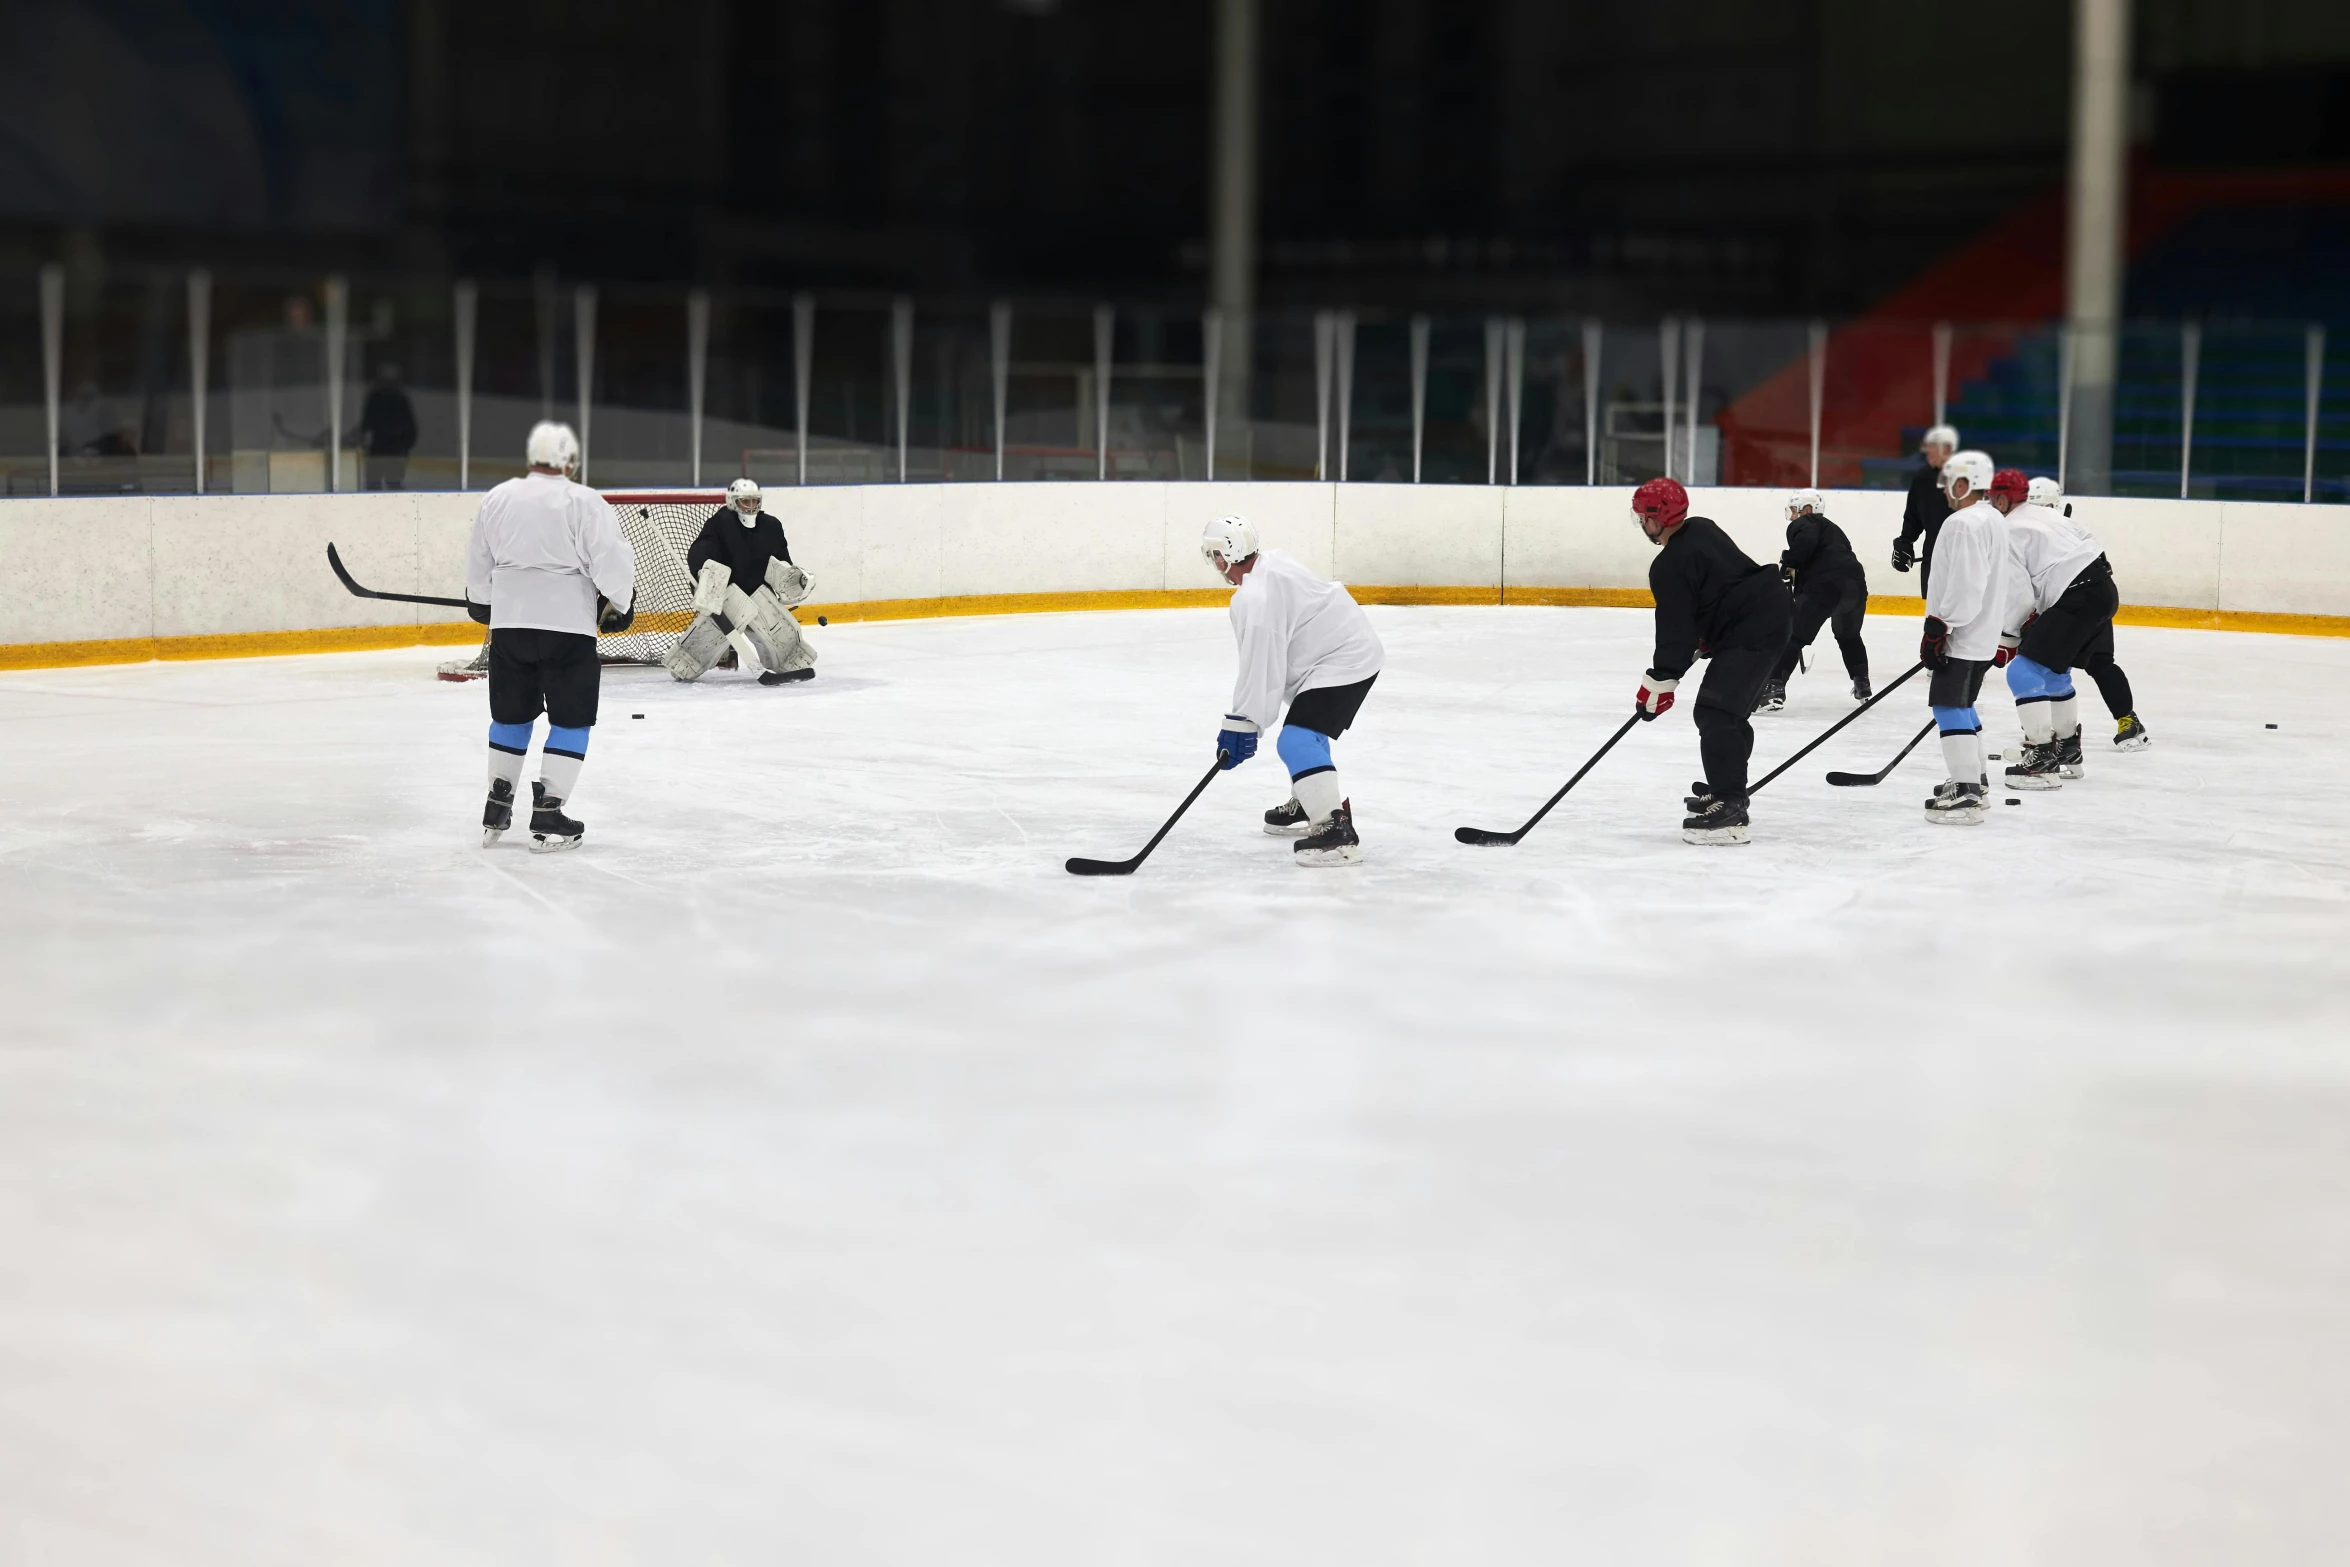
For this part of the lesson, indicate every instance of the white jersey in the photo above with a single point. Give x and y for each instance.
(1968, 588)
(2046, 550)
(1296, 633)
(543, 548)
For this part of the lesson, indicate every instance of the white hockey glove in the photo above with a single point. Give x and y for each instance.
(710, 589)
(789, 583)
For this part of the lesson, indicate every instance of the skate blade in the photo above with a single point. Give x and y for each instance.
(2072, 770)
(1348, 854)
(2134, 743)
(1967, 816)
(490, 835)
(1271, 831)
(1711, 836)
(2033, 781)
(548, 843)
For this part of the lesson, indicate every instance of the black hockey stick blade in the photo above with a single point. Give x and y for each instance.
(336, 561)
(1486, 838)
(1871, 780)
(1079, 866)
(1831, 730)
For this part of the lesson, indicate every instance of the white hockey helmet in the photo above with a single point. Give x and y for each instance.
(743, 496)
(1801, 501)
(2044, 491)
(553, 446)
(1974, 467)
(1942, 435)
(1232, 539)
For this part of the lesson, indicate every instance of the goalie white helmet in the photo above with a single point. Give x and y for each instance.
(743, 496)
(1942, 435)
(1801, 501)
(1974, 467)
(553, 446)
(1233, 539)
(2044, 491)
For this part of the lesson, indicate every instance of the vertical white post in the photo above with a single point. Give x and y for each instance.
(1514, 349)
(583, 347)
(1594, 337)
(199, 361)
(2093, 247)
(1105, 338)
(1668, 336)
(697, 369)
(2064, 403)
(1941, 372)
(1232, 214)
(901, 368)
(1494, 331)
(1325, 347)
(338, 343)
(2315, 349)
(999, 367)
(2190, 362)
(52, 355)
(1419, 391)
(1346, 389)
(1211, 342)
(1693, 343)
(1819, 392)
(467, 301)
(803, 366)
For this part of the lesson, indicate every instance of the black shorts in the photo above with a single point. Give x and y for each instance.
(551, 672)
(1329, 710)
(1957, 683)
(2069, 627)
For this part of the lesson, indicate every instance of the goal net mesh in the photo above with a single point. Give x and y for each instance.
(660, 526)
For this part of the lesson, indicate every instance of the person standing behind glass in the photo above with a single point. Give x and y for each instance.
(387, 430)
(1922, 517)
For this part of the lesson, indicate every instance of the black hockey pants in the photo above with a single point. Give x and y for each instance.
(1839, 601)
(2097, 663)
(1725, 736)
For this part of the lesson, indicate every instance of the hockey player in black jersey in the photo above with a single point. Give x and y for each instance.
(1921, 518)
(744, 587)
(1709, 599)
(1830, 589)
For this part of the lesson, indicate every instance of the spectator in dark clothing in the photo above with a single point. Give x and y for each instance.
(1922, 517)
(387, 431)
(1830, 589)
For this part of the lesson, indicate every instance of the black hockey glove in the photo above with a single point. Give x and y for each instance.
(479, 613)
(611, 622)
(1903, 559)
(1934, 646)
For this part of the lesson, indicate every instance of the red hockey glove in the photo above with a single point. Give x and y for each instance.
(2007, 647)
(1655, 697)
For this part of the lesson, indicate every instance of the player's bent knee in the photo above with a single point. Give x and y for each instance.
(1303, 750)
(568, 742)
(1957, 720)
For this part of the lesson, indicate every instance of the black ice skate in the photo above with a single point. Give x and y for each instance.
(786, 677)
(1773, 699)
(2069, 761)
(1332, 842)
(2037, 770)
(1956, 804)
(550, 829)
(1860, 689)
(1287, 820)
(1719, 822)
(2130, 735)
(1699, 795)
(498, 814)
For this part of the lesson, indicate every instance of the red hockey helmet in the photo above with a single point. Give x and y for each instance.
(2011, 483)
(1659, 504)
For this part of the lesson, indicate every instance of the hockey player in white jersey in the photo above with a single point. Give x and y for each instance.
(1304, 642)
(2097, 660)
(744, 587)
(2060, 599)
(546, 569)
(1965, 600)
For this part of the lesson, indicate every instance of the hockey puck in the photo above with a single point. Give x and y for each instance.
(821, 621)
(636, 715)
(2268, 726)
(1994, 756)
(2012, 800)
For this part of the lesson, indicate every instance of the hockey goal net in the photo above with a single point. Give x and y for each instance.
(660, 526)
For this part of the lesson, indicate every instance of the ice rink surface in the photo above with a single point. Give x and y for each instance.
(809, 1171)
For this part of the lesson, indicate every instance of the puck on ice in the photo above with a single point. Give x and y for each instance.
(2013, 800)
(1995, 756)
(636, 715)
(2268, 726)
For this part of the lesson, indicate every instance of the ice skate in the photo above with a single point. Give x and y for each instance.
(1718, 822)
(1287, 820)
(1956, 804)
(1773, 699)
(1699, 796)
(785, 677)
(550, 829)
(1860, 689)
(2069, 761)
(2037, 769)
(2129, 734)
(1332, 842)
(498, 814)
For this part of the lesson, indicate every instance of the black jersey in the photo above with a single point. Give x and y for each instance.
(1707, 591)
(746, 551)
(1818, 552)
(1922, 517)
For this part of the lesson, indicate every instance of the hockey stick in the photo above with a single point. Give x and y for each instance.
(1488, 839)
(1871, 780)
(1838, 724)
(1083, 867)
(336, 561)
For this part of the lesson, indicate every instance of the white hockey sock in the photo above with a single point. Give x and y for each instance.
(1319, 794)
(2039, 720)
(560, 773)
(506, 765)
(2065, 711)
(1963, 754)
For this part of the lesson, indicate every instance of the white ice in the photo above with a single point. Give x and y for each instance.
(809, 1171)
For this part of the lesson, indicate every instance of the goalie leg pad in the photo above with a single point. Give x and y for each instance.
(773, 634)
(696, 651)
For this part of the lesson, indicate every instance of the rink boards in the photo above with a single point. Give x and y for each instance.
(124, 579)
